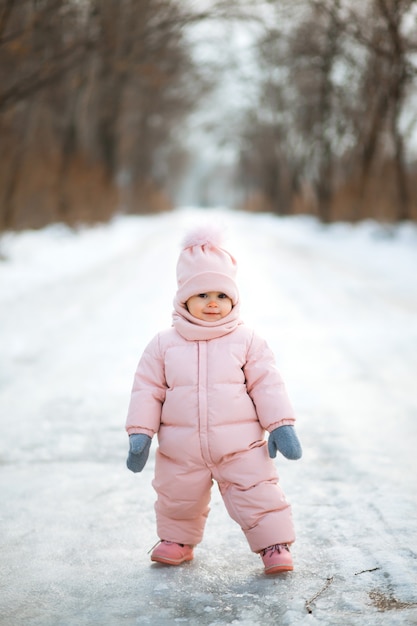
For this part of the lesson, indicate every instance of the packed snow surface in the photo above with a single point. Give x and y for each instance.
(337, 304)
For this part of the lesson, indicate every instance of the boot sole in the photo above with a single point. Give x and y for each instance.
(167, 561)
(276, 569)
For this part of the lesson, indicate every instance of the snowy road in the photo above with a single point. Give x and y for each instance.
(339, 307)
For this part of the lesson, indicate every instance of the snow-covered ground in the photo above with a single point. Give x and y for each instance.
(338, 304)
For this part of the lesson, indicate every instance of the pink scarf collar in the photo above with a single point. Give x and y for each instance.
(194, 329)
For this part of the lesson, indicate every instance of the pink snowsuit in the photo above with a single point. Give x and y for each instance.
(210, 394)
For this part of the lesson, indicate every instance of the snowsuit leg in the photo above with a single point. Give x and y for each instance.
(182, 506)
(249, 486)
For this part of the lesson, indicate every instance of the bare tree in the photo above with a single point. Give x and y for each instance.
(88, 91)
(38, 45)
(386, 84)
(299, 102)
(335, 82)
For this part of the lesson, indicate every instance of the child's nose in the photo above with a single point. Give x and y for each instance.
(212, 303)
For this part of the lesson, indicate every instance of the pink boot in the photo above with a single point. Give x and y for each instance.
(277, 558)
(172, 553)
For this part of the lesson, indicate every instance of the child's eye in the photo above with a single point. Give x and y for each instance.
(202, 295)
(222, 295)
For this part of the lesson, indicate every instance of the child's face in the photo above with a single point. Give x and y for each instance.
(209, 307)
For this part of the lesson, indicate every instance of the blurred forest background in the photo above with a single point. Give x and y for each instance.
(307, 106)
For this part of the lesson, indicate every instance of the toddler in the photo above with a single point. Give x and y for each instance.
(208, 387)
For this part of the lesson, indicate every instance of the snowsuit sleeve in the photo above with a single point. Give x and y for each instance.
(266, 387)
(148, 392)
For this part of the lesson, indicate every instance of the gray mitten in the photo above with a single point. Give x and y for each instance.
(139, 446)
(285, 440)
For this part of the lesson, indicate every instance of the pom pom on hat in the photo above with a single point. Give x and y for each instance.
(203, 265)
(207, 235)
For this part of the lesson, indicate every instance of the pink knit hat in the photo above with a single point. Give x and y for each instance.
(204, 265)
